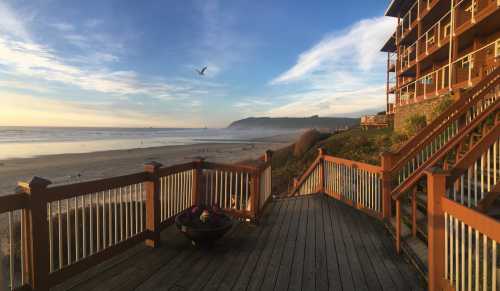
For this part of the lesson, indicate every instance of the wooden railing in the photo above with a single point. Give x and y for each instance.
(463, 72)
(56, 232)
(357, 184)
(462, 242)
(465, 114)
(13, 242)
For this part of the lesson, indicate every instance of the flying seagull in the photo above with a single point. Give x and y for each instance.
(202, 71)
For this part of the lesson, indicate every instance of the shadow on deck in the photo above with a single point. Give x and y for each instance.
(304, 243)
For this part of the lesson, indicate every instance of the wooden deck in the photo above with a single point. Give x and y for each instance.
(305, 243)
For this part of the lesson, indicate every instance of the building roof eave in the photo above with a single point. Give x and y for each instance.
(398, 7)
(390, 45)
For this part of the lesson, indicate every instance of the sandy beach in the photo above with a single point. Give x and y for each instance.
(70, 168)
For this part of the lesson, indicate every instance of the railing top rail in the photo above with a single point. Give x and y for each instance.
(354, 164)
(306, 174)
(483, 223)
(61, 192)
(13, 202)
(415, 143)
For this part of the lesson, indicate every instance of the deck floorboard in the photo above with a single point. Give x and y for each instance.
(302, 243)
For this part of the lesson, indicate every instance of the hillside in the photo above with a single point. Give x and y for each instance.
(294, 123)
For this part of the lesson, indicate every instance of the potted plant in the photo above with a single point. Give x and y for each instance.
(203, 225)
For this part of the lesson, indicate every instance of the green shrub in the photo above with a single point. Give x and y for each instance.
(415, 123)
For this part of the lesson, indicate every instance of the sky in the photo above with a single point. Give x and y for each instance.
(132, 63)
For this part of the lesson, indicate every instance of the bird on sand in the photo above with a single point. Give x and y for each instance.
(202, 71)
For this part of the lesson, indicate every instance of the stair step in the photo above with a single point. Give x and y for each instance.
(414, 248)
(421, 222)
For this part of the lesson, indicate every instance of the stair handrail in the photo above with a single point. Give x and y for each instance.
(477, 150)
(401, 188)
(444, 119)
(440, 121)
(302, 178)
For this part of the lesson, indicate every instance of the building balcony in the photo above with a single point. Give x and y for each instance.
(465, 72)
(470, 12)
(408, 22)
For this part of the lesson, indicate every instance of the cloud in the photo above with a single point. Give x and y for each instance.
(93, 22)
(9, 23)
(358, 47)
(63, 26)
(221, 45)
(38, 111)
(343, 74)
(26, 58)
(324, 103)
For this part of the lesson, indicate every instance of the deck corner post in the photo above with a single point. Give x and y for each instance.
(387, 160)
(198, 182)
(153, 219)
(321, 155)
(38, 246)
(268, 156)
(436, 187)
(255, 194)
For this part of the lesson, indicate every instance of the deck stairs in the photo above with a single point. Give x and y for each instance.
(457, 141)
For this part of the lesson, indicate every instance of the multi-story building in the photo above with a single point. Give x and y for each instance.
(439, 48)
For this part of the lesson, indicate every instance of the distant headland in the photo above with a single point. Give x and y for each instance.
(294, 122)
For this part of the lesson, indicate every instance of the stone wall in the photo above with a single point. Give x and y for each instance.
(404, 112)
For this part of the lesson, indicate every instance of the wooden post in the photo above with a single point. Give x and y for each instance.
(436, 188)
(153, 219)
(414, 212)
(38, 246)
(321, 188)
(268, 156)
(398, 226)
(255, 194)
(387, 160)
(198, 181)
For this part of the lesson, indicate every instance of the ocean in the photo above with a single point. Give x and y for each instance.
(24, 142)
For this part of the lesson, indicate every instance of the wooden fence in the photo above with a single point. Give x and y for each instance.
(462, 242)
(355, 183)
(64, 230)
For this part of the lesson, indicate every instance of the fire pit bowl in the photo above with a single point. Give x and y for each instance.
(203, 225)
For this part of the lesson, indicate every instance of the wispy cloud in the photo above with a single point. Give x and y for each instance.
(63, 26)
(357, 47)
(9, 23)
(39, 111)
(26, 58)
(340, 75)
(221, 45)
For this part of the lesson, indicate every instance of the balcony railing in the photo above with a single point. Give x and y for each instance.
(56, 232)
(469, 11)
(465, 71)
(408, 20)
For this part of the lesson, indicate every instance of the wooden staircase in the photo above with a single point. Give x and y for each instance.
(453, 141)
